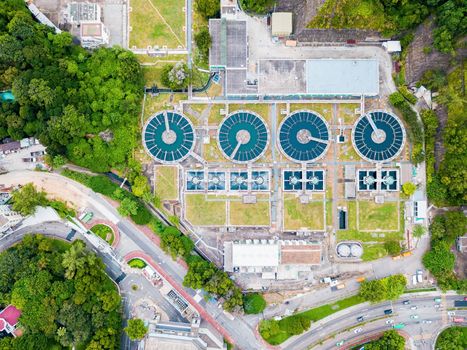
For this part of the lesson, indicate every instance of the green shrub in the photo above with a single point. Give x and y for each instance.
(143, 216)
(102, 231)
(407, 94)
(253, 303)
(294, 325)
(137, 263)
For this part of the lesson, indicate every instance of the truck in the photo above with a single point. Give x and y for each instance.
(460, 303)
(458, 320)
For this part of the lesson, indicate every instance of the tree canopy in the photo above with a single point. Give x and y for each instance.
(136, 329)
(63, 293)
(66, 96)
(389, 288)
(453, 338)
(27, 198)
(390, 340)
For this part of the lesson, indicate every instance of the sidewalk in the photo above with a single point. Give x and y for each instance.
(181, 290)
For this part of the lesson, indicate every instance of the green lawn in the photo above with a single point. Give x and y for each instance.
(104, 232)
(212, 153)
(215, 116)
(382, 217)
(166, 182)
(256, 214)
(253, 303)
(323, 311)
(298, 215)
(325, 109)
(262, 109)
(373, 251)
(157, 23)
(347, 112)
(204, 210)
(137, 263)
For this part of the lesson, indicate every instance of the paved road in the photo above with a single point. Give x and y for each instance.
(422, 330)
(131, 239)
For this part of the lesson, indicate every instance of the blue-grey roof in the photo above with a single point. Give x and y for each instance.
(342, 77)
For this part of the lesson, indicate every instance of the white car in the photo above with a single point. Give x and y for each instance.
(414, 316)
(413, 308)
(451, 313)
(358, 330)
(389, 321)
(437, 306)
(427, 321)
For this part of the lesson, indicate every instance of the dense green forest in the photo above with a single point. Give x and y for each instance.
(446, 185)
(394, 17)
(81, 104)
(63, 292)
(453, 338)
(439, 259)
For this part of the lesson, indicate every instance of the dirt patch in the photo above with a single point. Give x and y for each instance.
(303, 10)
(461, 264)
(419, 58)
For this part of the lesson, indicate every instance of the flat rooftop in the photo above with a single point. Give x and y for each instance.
(229, 43)
(301, 254)
(342, 77)
(319, 77)
(255, 255)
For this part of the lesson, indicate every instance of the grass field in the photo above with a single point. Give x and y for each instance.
(104, 232)
(373, 251)
(212, 153)
(325, 109)
(166, 182)
(157, 23)
(381, 217)
(347, 112)
(297, 215)
(260, 108)
(257, 214)
(204, 210)
(137, 263)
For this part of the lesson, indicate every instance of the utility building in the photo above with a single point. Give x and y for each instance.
(281, 24)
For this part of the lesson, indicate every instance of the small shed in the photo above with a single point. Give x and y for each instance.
(282, 24)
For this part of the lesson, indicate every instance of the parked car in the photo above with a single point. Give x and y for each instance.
(340, 343)
(358, 330)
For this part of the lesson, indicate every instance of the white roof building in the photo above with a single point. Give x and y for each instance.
(273, 259)
(281, 24)
(8, 218)
(392, 46)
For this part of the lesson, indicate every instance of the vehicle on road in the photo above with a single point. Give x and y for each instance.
(460, 303)
(340, 343)
(458, 320)
(406, 302)
(437, 300)
(388, 311)
(358, 330)
(389, 321)
(414, 316)
(413, 308)
(451, 313)
(360, 318)
(465, 298)
(414, 280)
(399, 326)
(437, 306)
(427, 321)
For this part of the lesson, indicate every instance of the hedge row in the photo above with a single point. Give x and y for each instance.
(415, 131)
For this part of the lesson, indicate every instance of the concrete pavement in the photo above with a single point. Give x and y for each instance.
(340, 326)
